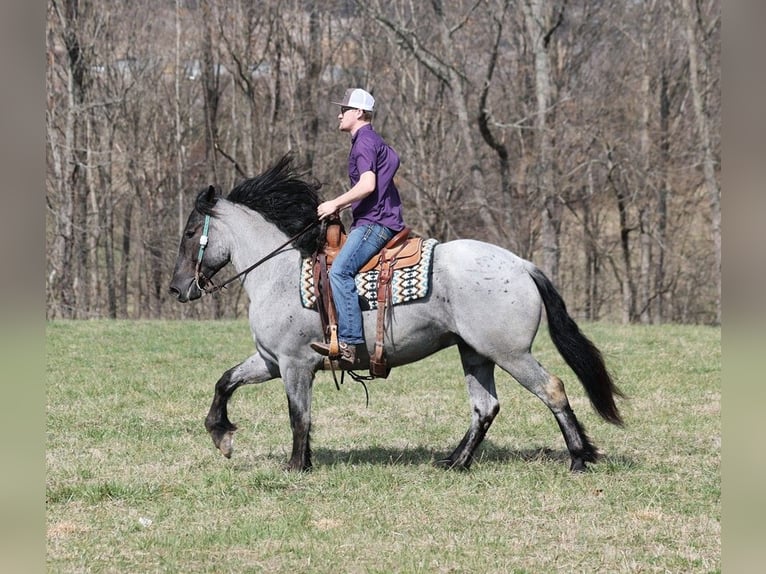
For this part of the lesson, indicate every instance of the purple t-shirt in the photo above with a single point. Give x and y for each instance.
(370, 153)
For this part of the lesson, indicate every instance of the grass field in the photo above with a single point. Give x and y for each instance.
(135, 485)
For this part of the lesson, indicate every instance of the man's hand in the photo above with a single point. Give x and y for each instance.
(326, 209)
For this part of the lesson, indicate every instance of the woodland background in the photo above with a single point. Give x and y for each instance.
(583, 135)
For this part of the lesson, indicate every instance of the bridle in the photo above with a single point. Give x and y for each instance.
(203, 239)
(201, 280)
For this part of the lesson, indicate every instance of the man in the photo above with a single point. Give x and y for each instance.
(377, 212)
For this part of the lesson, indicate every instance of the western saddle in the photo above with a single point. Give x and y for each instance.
(402, 250)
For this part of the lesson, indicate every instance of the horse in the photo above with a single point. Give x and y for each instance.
(484, 299)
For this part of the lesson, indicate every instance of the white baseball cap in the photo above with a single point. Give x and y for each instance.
(358, 99)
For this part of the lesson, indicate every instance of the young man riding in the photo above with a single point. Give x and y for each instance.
(377, 212)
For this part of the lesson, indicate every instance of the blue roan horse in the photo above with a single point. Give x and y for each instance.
(483, 299)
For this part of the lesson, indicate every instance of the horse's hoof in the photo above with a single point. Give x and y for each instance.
(223, 441)
(578, 465)
(226, 446)
(290, 467)
(449, 464)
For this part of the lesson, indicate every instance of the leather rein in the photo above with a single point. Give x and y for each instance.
(202, 280)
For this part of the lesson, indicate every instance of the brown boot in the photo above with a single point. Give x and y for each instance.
(347, 352)
(321, 348)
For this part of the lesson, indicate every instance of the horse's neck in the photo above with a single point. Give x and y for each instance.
(253, 238)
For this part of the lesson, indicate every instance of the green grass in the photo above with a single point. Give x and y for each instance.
(134, 483)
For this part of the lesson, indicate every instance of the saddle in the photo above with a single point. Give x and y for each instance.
(401, 251)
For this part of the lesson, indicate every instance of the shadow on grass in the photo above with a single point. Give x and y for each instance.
(487, 453)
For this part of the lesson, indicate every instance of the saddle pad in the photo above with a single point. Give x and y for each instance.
(407, 284)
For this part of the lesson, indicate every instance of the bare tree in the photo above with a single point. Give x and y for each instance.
(585, 134)
(68, 20)
(541, 23)
(441, 61)
(508, 210)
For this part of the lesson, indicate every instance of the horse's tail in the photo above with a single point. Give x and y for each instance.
(578, 351)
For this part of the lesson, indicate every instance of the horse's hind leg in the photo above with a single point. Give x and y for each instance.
(253, 370)
(480, 379)
(550, 389)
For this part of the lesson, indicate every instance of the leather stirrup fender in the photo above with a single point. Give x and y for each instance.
(334, 345)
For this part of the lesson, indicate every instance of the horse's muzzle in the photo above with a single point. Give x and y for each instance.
(185, 293)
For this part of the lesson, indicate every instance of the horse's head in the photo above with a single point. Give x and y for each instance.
(198, 259)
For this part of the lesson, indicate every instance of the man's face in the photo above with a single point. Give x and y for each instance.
(347, 118)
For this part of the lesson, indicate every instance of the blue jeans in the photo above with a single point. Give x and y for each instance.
(361, 244)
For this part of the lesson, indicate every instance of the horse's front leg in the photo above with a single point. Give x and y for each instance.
(298, 385)
(253, 370)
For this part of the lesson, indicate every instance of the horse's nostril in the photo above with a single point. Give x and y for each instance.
(173, 291)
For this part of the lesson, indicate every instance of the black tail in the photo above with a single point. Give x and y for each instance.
(578, 351)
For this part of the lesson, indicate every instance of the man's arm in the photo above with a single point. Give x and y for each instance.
(364, 187)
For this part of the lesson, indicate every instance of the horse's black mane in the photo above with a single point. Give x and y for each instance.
(285, 199)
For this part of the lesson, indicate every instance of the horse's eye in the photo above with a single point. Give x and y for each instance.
(189, 233)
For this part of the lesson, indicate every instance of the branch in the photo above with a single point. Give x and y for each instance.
(484, 113)
(411, 42)
(231, 159)
(462, 22)
(559, 21)
(520, 124)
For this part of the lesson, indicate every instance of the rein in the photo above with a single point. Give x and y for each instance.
(203, 241)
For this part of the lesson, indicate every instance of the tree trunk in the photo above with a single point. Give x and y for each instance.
(106, 223)
(69, 245)
(178, 131)
(537, 27)
(59, 203)
(210, 83)
(627, 286)
(592, 263)
(127, 256)
(314, 68)
(703, 132)
(645, 196)
(645, 267)
(92, 216)
(662, 198)
(500, 149)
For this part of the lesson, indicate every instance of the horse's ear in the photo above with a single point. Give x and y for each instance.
(206, 199)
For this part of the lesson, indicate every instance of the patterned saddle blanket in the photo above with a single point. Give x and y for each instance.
(407, 284)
